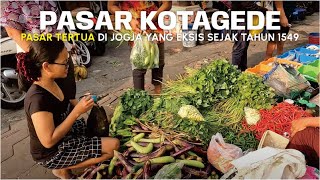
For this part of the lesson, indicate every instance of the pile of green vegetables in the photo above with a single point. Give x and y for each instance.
(205, 102)
(132, 104)
(154, 153)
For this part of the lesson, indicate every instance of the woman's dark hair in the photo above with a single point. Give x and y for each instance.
(29, 64)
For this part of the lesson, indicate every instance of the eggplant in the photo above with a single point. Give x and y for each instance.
(128, 151)
(132, 162)
(94, 171)
(123, 161)
(182, 151)
(152, 155)
(124, 173)
(200, 174)
(156, 167)
(199, 151)
(188, 176)
(137, 155)
(87, 171)
(146, 170)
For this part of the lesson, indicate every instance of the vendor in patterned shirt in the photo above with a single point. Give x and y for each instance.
(19, 17)
(135, 8)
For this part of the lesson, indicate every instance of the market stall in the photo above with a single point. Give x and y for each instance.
(210, 117)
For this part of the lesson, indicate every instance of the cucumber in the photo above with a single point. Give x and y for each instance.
(141, 149)
(192, 163)
(111, 165)
(162, 160)
(138, 137)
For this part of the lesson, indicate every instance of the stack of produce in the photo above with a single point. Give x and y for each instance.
(205, 102)
(250, 93)
(206, 86)
(147, 153)
(277, 119)
(132, 104)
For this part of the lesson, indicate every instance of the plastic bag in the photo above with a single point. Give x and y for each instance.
(97, 123)
(144, 54)
(220, 154)
(286, 81)
(311, 173)
(252, 116)
(170, 171)
(190, 112)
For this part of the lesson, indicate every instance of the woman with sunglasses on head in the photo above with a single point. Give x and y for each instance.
(57, 138)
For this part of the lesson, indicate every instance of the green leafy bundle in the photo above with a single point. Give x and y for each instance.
(208, 85)
(132, 104)
(254, 93)
(135, 102)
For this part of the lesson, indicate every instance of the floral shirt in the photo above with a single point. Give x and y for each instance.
(135, 8)
(25, 15)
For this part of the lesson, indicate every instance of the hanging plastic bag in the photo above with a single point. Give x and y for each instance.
(220, 154)
(286, 81)
(97, 123)
(144, 54)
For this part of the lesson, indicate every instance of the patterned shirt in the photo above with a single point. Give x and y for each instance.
(135, 8)
(25, 15)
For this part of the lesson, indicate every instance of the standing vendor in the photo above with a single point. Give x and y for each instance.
(240, 47)
(135, 7)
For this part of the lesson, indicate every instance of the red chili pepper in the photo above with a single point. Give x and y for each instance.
(277, 119)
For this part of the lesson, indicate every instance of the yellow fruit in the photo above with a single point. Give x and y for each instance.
(255, 22)
(83, 73)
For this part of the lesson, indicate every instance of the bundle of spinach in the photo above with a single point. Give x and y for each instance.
(135, 102)
(254, 93)
(208, 85)
(132, 104)
(250, 92)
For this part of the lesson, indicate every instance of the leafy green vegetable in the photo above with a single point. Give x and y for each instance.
(135, 102)
(170, 171)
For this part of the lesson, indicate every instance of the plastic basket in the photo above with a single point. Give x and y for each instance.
(314, 38)
(315, 64)
(304, 59)
(272, 139)
(310, 72)
(289, 55)
(305, 50)
(271, 62)
(259, 69)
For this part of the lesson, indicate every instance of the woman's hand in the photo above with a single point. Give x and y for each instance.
(84, 105)
(298, 125)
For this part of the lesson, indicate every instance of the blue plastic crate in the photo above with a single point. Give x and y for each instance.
(303, 50)
(304, 59)
(289, 55)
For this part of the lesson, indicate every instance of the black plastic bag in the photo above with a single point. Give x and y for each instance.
(97, 123)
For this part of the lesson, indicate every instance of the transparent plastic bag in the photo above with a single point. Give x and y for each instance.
(220, 154)
(144, 54)
(286, 81)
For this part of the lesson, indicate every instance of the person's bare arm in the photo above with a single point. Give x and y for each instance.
(15, 34)
(43, 122)
(165, 6)
(302, 123)
(74, 102)
(283, 18)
